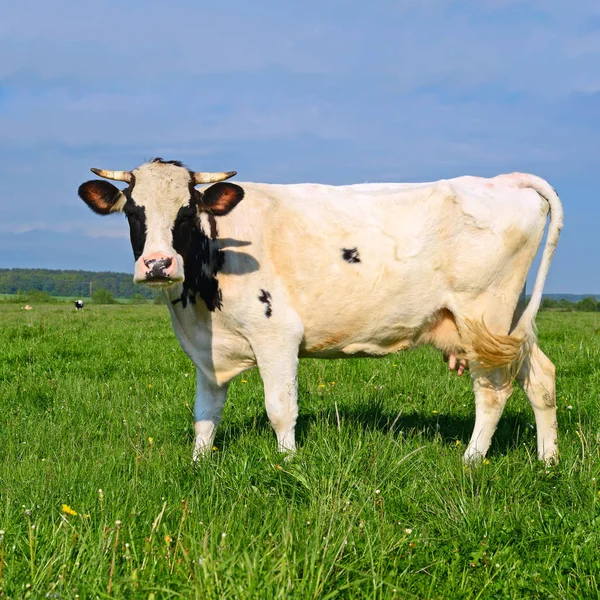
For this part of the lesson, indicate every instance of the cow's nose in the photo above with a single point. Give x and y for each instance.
(158, 266)
(158, 263)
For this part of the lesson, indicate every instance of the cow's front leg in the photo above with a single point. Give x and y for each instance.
(492, 390)
(208, 411)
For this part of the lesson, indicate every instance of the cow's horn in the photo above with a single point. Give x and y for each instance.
(116, 175)
(212, 177)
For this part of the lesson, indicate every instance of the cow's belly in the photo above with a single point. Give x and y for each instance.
(371, 313)
(378, 335)
(332, 346)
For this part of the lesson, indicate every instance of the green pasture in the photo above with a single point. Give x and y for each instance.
(99, 497)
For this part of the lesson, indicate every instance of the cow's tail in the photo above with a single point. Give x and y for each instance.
(492, 351)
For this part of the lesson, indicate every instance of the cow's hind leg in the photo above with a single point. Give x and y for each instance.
(537, 378)
(208, 410)
(280, 379)
(277, 358)
(492, 389)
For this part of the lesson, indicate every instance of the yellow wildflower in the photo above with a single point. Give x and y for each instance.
(244, 381)
(68, 510)
(168, 539)
(214, 448)
(151, 441)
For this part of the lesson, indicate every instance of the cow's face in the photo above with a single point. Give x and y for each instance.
(161, 205)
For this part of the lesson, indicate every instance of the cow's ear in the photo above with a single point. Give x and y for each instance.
(101, 196)
(220, 198)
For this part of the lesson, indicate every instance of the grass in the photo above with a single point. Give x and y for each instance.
(376, 504)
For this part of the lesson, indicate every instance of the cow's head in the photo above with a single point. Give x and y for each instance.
(161, 204)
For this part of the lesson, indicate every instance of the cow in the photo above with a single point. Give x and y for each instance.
(261, 275)
(78, 304)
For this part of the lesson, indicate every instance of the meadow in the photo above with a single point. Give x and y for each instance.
(99, 497)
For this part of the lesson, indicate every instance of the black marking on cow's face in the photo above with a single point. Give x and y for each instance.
(350, 255)
(265, 298)
(202, 260)
(136, 216)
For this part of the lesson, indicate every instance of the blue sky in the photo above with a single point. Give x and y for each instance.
(327, 91)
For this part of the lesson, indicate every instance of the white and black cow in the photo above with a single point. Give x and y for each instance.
(78, 304)
(360, 270)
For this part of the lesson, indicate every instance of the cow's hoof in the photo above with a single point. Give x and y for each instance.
(201, 452)
(550, 460)
(289, 455)
(473, 458)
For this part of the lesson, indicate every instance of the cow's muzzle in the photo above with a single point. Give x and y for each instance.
(158, 269)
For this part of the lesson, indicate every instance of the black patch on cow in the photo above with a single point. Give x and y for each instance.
(202, 259)
(265, 298)
(136, 216)
(350, 255)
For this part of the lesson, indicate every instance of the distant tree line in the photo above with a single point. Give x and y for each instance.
(70, 283)
(42, 285)
(587, 304)
(99, 296)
